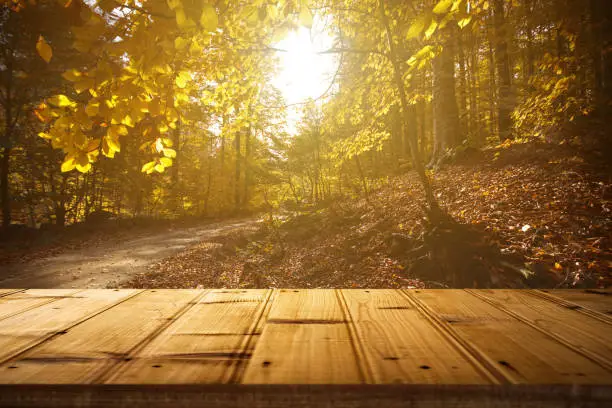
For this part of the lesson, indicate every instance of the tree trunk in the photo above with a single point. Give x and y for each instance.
(413, 143)
(502, 66)
(445, 112)
(4, 186)
(237, 171)
(247, 179)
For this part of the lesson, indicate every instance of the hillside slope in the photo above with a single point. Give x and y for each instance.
(539, 209)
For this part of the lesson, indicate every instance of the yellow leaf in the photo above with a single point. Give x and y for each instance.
(305, 17)
(159, 168)
(92, 108)
(127, 120)
(432, 29)
(182, 78)
(464, 21)
(159, 146)
(148, 167)
(112, 140)
(183, 21)
(86, 83)
(417, 27)
(72, 75)
(93, 145)
(209, 19)
(180, 43)
(443, 6)
(165, 161)
(558, 266)
(44, 49)
(68, 164)
(61, 101)
(170, 153)
(83, 168)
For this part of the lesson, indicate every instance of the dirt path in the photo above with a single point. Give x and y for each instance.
(111, 262)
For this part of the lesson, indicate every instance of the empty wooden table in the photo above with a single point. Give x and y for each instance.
(305, 347)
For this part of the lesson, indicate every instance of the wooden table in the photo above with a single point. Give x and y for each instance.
(298, 348)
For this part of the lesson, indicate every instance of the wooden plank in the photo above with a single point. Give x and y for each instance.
(588, 336)
(306, 304)
(520, 352)
(305, 341)
(205, 345)
(19, 302)
(93, 347)
(25, 330)
(401, 345)
(6, 292)
(599, 300)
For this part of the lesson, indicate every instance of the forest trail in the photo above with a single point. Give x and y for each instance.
(113, 261)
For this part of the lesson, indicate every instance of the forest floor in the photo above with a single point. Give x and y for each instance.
(101, 256)
(542, 208)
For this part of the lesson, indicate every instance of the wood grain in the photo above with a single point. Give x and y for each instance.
(522, 353)
(5, 292)
(205, 345)
(305, 341)
(25, 330)
(15, 303)
(599, 300)
(587, 335)
(401, 345)
(98, 344)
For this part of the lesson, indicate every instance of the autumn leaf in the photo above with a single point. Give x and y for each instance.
(305, 17)
(44, 49)
(68, 164)
(443, 6)
(209, 19)
(61, 101)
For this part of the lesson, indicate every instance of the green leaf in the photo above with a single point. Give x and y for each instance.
(443, 6)
(209, 19)
(44, 49)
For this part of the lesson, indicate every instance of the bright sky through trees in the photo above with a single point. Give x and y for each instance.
(304, 72)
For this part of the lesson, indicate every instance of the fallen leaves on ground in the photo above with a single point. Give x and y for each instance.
(540, 204)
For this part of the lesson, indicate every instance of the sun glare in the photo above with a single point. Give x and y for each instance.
(304, 72)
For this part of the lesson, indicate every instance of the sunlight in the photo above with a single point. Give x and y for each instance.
(304, 72)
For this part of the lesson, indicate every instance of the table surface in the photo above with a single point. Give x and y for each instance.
(305, 336)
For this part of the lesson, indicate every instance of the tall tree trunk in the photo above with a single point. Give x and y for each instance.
(247, 170)
(445, 112)
(238, 170)
(413, 142)
(502, 66)
(4, 185)
(176, 201)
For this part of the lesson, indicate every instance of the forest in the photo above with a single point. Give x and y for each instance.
(440, 143)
